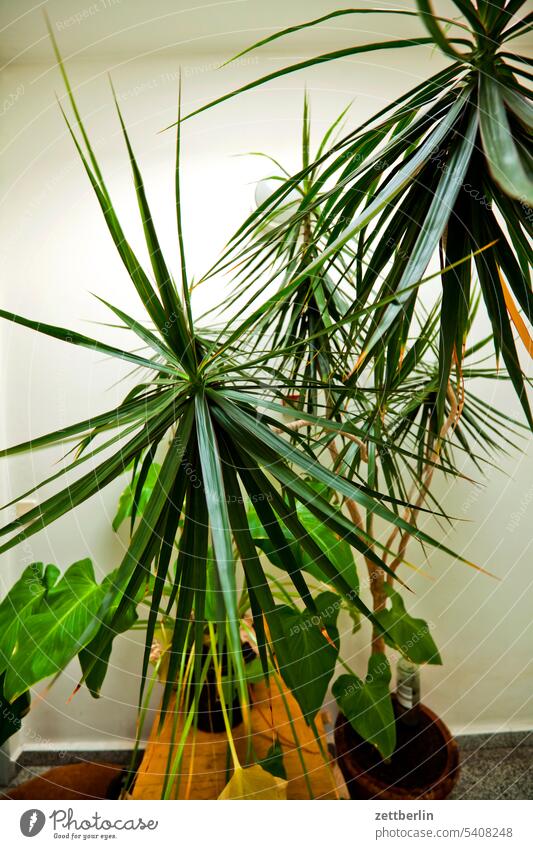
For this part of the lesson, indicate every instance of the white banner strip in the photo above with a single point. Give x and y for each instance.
(268, 825)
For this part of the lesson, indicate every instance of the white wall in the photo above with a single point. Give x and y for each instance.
(55, 251)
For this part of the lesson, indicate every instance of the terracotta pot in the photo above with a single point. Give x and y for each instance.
(209, 714)
(425, 764)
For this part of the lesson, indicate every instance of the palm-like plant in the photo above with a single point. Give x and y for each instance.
(204, 392)
(372, 385)
(404, 416)
(445, 170)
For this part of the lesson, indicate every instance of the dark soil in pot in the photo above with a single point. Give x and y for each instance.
(210, 716)
(425, 764)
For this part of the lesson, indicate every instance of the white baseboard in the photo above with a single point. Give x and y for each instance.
(105, 745)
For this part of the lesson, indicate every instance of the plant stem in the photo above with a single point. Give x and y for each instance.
(375, 574)
(434, 452)
(218, 674)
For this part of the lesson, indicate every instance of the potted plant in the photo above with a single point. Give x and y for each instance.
(221, 450)
(313, 407)
(443, 173)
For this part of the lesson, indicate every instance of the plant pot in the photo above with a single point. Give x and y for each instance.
(425, 764)
(204, 769)
(209, 715)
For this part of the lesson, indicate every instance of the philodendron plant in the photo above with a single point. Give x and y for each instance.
(302, 416)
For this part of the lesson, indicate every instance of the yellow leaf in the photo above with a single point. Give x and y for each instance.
(254, 782)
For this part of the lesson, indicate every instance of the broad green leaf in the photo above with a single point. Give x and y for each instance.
(305, 652)
(50, 638)
(335, 546)
(367, 704)
(21, 601)
(403, 632)
(94, 668)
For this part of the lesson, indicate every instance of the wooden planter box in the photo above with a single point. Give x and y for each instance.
(205, 758)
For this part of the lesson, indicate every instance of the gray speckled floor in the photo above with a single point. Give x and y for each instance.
(26, 773)
(493, 766)
(496, 766)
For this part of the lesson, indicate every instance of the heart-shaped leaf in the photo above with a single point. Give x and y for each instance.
(94, 662)
(254, 782)
(307, 654)
(403, 632)
(21, 601)
(50, 638)
(367, 704)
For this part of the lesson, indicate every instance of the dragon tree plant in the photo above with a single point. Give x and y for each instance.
(226, 441)
(445, 170)
(442, 173)
(328, 405)
(394, 444)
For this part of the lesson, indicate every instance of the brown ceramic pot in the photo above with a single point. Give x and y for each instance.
(425, 764)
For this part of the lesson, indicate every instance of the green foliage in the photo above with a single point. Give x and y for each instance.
(273, 761)
(11, 713)
(443, 155)
(306, 648)
(335, 547)
(403, 632)
(136, 495)
(46, 622)
(53, 632)
(367, 704)
(23, 599)
(94, 672)
(336, 388)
